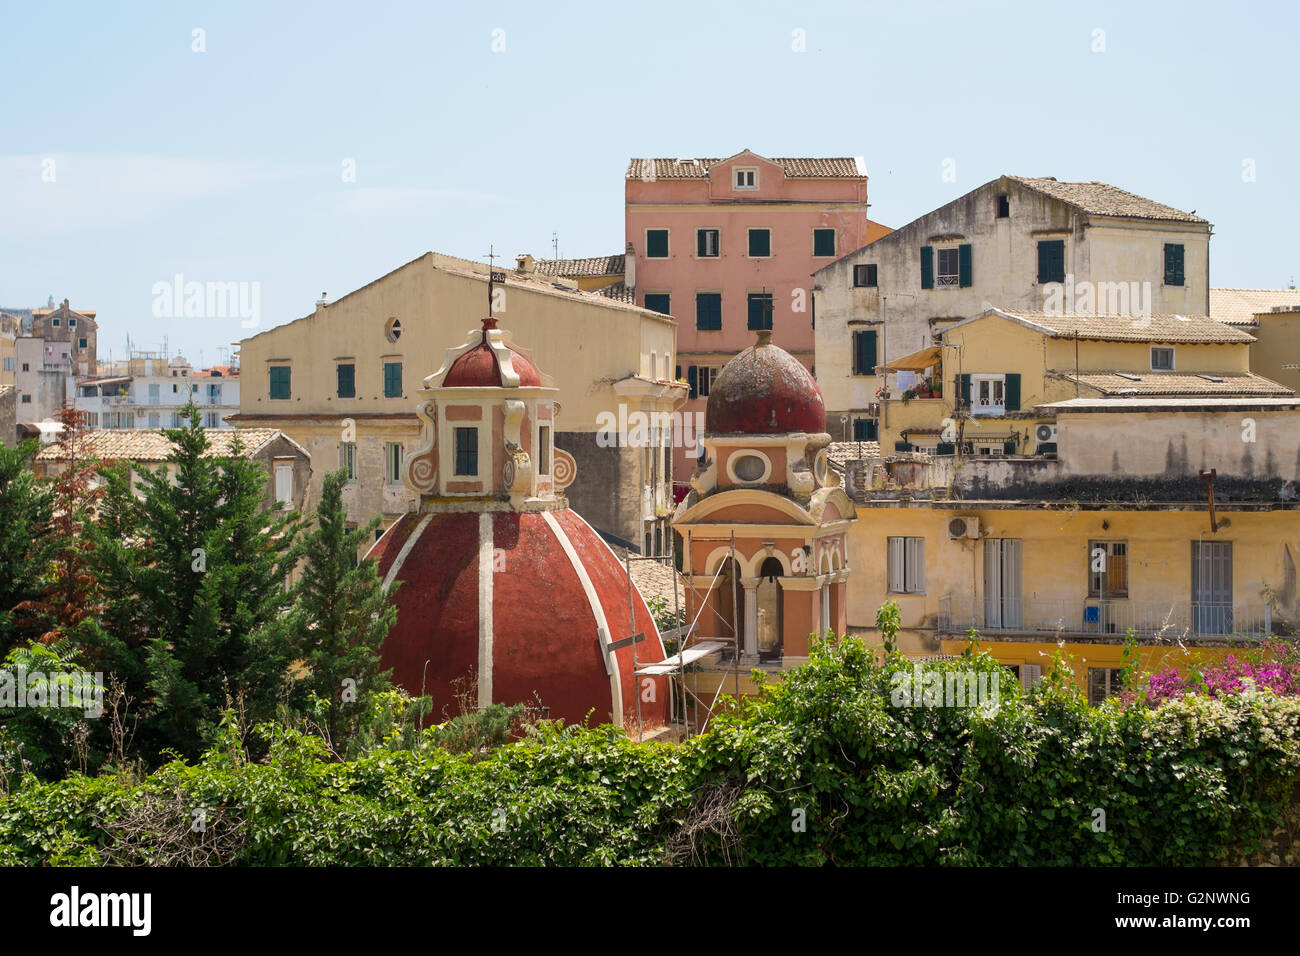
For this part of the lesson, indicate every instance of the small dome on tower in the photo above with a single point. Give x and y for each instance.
(764, 391)
(478, 367)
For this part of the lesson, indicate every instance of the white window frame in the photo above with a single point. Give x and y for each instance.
(705, 376)
(284, 484)
(748, 453)
(906, 563)
(744, 178)
(390, 478)
(717, 243)
(1173, 365)
(348, 459)
(975, 407)
(944, 280)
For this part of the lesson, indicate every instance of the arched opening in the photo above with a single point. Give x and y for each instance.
(727, 593)
(770, 609)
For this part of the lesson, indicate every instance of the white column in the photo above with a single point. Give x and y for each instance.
(751, 616)
(826, 607)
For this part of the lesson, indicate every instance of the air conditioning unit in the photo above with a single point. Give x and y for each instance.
(1045, 433)
(964, 528)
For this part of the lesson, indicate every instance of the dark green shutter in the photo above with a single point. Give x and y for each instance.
(945, 448)
(392, 379)
(280, 381)
(1009, 447)
(708, 311)
(347, 381)
(692, 379)
(873, 431)
(679, 373)
(658, 302)
(965, 391)
(656, 243)
(927, 267)
(1051, 260)
(1173, 263)
(1013, 392)
(902, 446)
(963, 265)
(866, 353)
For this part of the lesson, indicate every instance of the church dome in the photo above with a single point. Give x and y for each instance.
(764, 391)
(526, 605)
(479, 368)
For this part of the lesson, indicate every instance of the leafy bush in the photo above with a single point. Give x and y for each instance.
(825, 766)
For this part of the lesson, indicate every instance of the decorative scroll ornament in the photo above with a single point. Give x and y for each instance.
(420, 471)
(517, 473)
(563, 469)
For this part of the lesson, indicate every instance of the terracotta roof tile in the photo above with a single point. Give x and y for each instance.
(805, 167)
(1242, 384)
(1238, 306)
(1158, 327)
(151, 445)
(1101, 199)
(593, 266)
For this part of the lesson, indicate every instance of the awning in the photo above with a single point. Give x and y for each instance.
(916, 362)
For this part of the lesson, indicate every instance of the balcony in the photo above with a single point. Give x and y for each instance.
(1098, 618)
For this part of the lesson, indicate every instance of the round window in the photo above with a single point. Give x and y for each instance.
(749, 468)
(393, 330)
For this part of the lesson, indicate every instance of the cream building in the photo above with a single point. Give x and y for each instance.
(342, 383)
(1014, 243)
(1272, 316)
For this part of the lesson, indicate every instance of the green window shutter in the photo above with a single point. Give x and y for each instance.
(708, 311)
(868, 353)
(1009, 447)
(1051, 260)
(658, 302)
(392, 380)
(1173, 263)
(760, 242)
(823, 242)
(760, 311)
(945, 448)
(927, 267)
(692, 379)
(902, 446)
(873, 431)
(965, 391)
(679, 373)
(963, 265)
(280, 376)
(347, 375)
(656, 243)
(1013, 392)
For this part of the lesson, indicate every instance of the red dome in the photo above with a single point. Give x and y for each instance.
(477, 368)
(517, 601)
(764, 391)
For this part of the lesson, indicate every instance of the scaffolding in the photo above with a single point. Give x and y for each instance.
(675, 666)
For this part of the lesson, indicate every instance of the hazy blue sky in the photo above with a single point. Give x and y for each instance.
(226, 165)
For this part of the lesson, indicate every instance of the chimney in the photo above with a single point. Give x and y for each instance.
(524, 263)
(629, 268)
(323, 301)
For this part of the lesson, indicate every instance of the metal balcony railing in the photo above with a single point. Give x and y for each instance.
(1097, 617)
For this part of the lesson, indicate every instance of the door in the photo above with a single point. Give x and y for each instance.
(1002, 582)
(1212, 587)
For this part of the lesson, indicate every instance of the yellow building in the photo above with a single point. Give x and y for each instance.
(978, 390)
(340, 383)
(1116, 531)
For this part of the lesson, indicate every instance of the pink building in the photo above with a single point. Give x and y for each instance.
(728, 246)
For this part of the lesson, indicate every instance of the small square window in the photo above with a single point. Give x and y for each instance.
(864, 276)
(658, 302)
(656, 243)
(1162, 359)
(824, 243)
(760, 243)
(746, 178)
(54, 322)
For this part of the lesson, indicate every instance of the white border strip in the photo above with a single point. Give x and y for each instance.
(485, 630)
(406, 551)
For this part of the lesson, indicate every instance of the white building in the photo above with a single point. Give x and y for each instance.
(153, 392)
